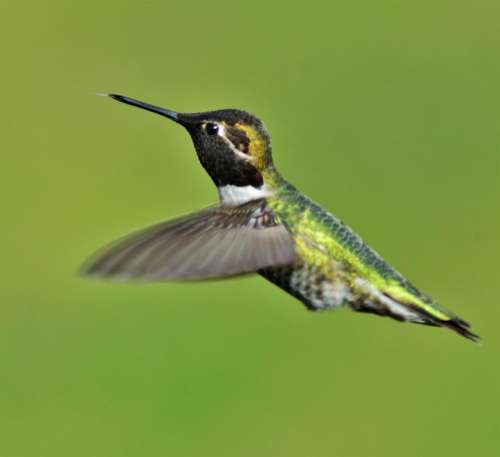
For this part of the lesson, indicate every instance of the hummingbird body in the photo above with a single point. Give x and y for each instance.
(263, 224)
(334, 267)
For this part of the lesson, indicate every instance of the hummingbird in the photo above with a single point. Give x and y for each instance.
(263, 224)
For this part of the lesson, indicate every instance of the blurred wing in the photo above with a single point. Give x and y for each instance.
(212, 243)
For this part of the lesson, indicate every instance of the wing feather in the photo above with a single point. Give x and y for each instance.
(212, 243)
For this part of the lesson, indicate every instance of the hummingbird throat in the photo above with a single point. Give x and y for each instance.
(237, 195)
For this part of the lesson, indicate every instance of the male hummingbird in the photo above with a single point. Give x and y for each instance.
(263, 224)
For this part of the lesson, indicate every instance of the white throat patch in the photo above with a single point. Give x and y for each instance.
(237, 195)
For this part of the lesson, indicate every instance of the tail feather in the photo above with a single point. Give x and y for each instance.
(462, 328)
(420, 311)
(454, 323)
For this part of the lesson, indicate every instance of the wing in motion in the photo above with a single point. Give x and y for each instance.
(213, 243)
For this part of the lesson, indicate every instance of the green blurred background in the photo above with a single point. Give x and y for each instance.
(385, 112)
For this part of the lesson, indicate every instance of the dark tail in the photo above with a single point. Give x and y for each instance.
(461, 327)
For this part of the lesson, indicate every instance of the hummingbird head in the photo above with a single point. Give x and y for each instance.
(232, 145)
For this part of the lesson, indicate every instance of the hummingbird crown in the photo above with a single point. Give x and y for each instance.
(233, 146)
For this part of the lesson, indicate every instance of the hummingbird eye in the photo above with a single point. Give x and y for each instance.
(211, 128)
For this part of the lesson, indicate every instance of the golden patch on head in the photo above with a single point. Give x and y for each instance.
(257, 146)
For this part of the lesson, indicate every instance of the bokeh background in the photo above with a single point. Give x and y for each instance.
(385, 112)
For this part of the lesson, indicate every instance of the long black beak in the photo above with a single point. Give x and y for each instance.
(154, 109)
